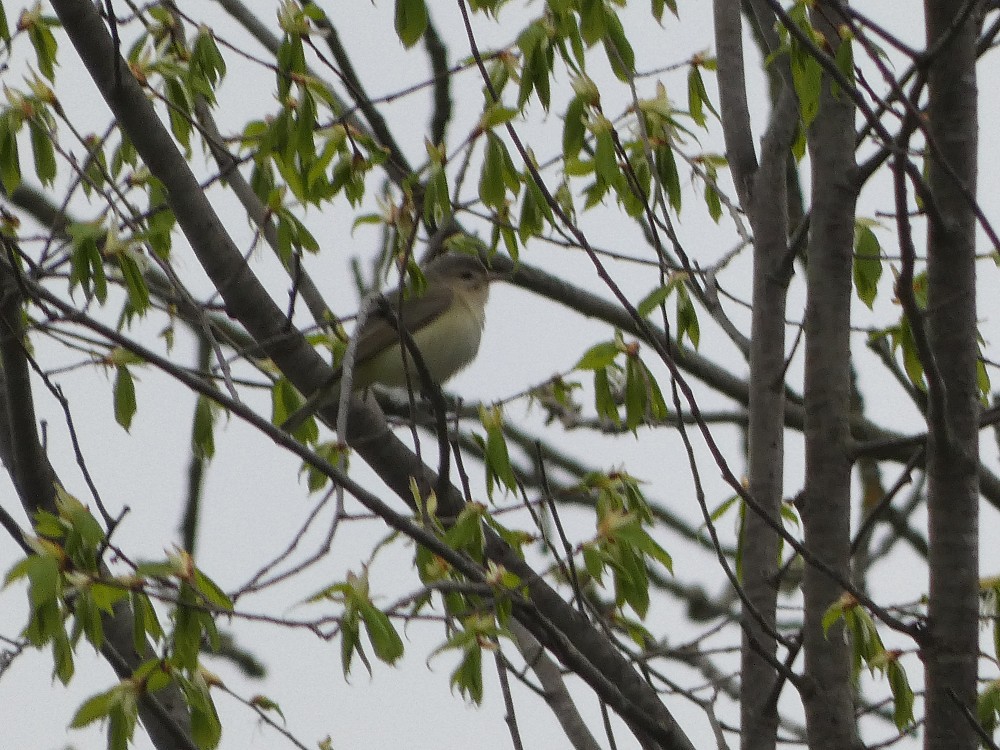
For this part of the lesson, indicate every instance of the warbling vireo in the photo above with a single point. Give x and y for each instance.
(446, 323)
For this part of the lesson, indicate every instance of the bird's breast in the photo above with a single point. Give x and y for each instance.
(447, 344)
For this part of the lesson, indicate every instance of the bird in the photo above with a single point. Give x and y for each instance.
(445, 321)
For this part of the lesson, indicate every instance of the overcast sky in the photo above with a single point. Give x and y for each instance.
(253, 501)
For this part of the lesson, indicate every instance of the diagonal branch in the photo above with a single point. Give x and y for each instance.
(550, 618)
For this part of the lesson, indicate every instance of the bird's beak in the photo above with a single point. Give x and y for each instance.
(493, 274)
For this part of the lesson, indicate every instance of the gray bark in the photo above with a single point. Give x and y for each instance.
(829, 699)
(762, 190)
(951, 652)
(551, 619)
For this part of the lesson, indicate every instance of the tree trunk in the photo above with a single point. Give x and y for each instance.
(826, 511)
(951, 652)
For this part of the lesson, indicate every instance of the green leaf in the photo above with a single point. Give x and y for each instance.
(498, 73)
(865, 636)
(96, 707)
(497, 456)
(144, 621)
(982, 378)
(574, 130)
(62, 657)
(95, 168)
(4, 28)
(42, 572)
(620, 54)
(698, 96)
(530, 222)
(263, 703)
(867, 263)
(45, 46)
(202, 433)
(305, 127)
(633, 194)
(657, 8)
(50, 525)
(535, 211)
(694, 97)
(124, 395)
(901, 337)
(631, 579)
(833, 613)
(605, 158)
(593, 19)
(291, 60)
(654, 299)
(161, 219)
(207, 64)
(666, 170)
(807, 77)
(570, 30)
(43, 152)
(538, 68)
(121, 724)
(902, 694)
(639, 538)
(598, 356)
(105, 596)
(187, 630)
(988, 706)
(687, 318)
(466, 534)
(179, 110)
(46, 623)
(564, 199)
(18, 571)
(497, 114)
(593, 561)
(437, 201)
(285, 400)
(86, 261)
(468, 677)
(411, 21)
(635, 394)
(135, 283)
(211, 591)
(10, 163)
(492, 191)
(124, 154)
(604, 400)
(206, 729)
(350, 641)
(332, 451)
(88, 617)
(316, 175)
(845, 63)
(713, 202)
(84, 535)
(656, 406)
(386, 643)
(536, 64)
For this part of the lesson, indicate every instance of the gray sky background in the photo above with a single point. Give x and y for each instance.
(253, 501)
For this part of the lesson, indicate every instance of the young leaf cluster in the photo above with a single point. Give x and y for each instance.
(868, 650)
(623, 546)
(69, 586)
(640, 392)
(353, 595)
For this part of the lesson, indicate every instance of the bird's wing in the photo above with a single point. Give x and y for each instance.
(380, 332)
